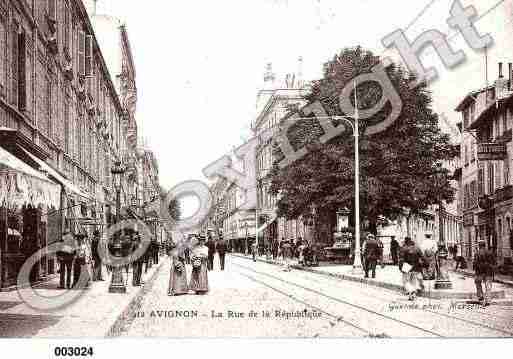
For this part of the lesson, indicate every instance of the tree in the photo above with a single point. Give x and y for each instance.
(400, 168)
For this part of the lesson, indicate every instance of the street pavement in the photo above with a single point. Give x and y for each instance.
(261, 300)
(93, 315)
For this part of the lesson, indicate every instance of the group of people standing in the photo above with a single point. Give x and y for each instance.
(201, 258)
(79, 256)
(413, 263)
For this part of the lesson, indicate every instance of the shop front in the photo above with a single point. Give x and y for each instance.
(29, 209)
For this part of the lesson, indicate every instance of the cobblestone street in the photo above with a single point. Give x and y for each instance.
(316, 305)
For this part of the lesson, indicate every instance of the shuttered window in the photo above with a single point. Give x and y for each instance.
(52, 9)
(81, 53)
(22, 75)
(3, 57)
(88, 55)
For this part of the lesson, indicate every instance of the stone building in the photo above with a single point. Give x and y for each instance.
(62, 113)
(486, 155)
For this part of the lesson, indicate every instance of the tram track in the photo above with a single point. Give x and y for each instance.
(337, 317)
(339, 300)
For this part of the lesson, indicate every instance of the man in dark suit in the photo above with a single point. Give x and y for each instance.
(484, 268)
(221, 251)
(211, 252)
(371, 254)
(66, 255)
(138, 261)
(394, 250)
(95, 254)
(156, 249)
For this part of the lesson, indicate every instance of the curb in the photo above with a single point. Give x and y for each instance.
(126, 315)
(500, 294)
(496, 280)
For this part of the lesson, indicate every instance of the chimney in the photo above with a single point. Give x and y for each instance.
(299, 72)
(500, 70)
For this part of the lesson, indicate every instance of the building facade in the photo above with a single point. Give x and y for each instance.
(486, 155)
(64, 113)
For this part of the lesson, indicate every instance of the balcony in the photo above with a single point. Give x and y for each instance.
(503, 194)
(506, 136)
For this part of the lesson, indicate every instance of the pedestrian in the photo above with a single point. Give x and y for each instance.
(65, 255)
(275, 247)
(254, 250)
(156, 249)
(81, 273)
(394, 250)
(287, 255)
(221, 251)
(95, 254)
(371, 254)
(199, 274)
(411, 264)
(126, 247)
(211, 245)
(484, 270)
(137, 265)
(177, 273)
(147, 257)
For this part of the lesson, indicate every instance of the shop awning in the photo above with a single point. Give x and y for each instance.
(265, 225)
(59, 178)
(21, 184)
(9, 160)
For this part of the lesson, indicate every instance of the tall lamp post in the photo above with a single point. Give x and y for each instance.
(357, 264)
(117, 284)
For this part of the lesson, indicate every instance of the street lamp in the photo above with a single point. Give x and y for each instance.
(117, 284)
(357, 264)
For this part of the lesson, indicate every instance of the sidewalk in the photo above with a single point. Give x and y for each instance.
(498, 278)
(390, 278)
(96, 314)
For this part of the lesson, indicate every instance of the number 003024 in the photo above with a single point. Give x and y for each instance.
(73, 351)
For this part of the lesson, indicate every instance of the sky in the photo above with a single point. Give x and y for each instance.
(200, 63)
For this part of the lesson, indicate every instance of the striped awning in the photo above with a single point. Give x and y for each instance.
(20, 184)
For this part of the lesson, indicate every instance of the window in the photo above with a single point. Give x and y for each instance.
(66, 31)
(88, 56)
(81, 53)
(466, 155)
(506, 172)
(3, 56)
(52, 9)
(22, 78)
(473, 151)
(67, 135)
(491, 179)
(481, 184)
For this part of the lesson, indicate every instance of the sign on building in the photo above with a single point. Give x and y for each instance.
(491, 151)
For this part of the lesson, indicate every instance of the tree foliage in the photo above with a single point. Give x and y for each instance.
(401, 167)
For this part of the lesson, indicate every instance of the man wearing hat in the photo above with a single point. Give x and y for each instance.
(221, 250)
(95, 254)
(65, 256)
(211, 244)
(484, 269)
(371, 254)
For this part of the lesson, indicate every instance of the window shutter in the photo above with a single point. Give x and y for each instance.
(52, 9)
(22, 83)
(89, 55)
(81, 53)
(14, 63)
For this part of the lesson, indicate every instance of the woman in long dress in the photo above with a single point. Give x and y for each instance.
(199, 275)
(177, 274)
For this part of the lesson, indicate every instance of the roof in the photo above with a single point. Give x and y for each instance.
(470, 97)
